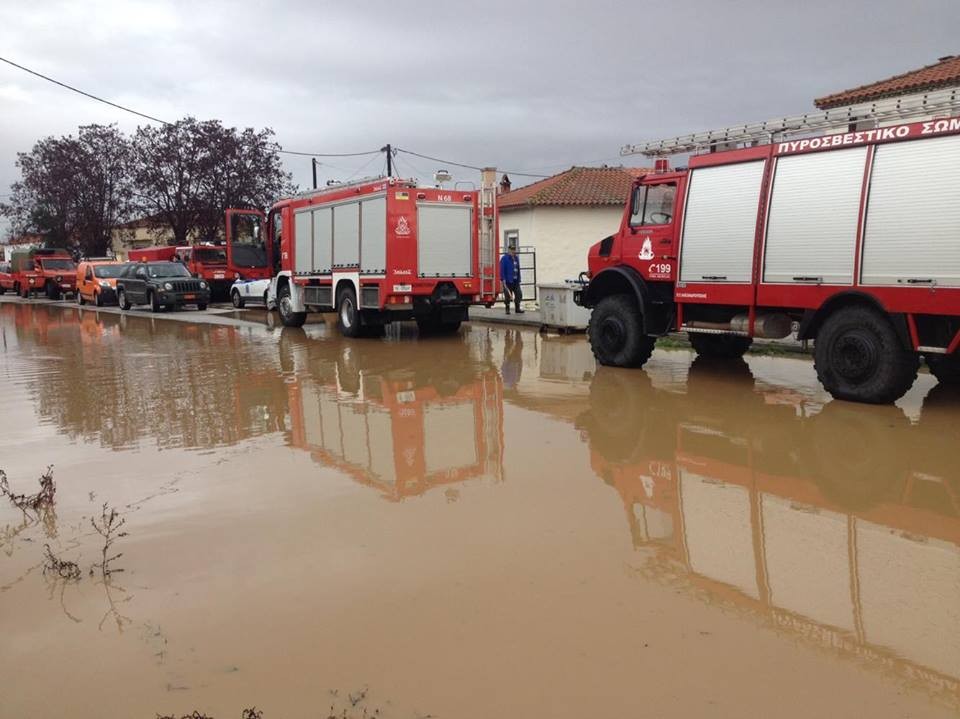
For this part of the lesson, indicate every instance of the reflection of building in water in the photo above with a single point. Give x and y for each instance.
(393, 416)
(831, 526)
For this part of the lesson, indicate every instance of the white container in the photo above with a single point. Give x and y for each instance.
(557, 308)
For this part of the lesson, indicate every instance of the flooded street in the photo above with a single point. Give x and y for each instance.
(478, 526)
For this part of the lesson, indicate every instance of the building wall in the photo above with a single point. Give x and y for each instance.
(125, 239)
(561, 235)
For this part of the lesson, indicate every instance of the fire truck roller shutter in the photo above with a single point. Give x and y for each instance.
(444, 234)
(812, 228)
(303, 242)
(720, 223)
(912, 227)
(346, 235)
(373, 236)
(323, 239)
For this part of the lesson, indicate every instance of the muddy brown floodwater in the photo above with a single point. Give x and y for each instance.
(479, 526)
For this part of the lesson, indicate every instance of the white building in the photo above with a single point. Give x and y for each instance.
(561, 216)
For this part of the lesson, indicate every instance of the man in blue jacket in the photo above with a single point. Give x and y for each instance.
(510, 277)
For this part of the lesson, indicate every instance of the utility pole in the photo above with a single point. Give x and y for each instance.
(389, 150)
(314, 163)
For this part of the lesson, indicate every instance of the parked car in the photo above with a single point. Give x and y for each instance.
(160, 285)
(243, 291)
(97, 281)
(7, 280)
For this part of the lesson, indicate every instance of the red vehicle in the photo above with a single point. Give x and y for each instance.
(855, 236)
(51, 271)
(380, 250)
(6, 277)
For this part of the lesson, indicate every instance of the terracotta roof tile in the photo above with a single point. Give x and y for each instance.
(944, 73)
(591, 186)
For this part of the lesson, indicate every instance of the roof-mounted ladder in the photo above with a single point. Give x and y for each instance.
(905, 107)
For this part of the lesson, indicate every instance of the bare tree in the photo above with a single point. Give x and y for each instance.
(189, 172)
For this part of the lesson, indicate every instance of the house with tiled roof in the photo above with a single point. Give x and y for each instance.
(561, 216)
(945, 73)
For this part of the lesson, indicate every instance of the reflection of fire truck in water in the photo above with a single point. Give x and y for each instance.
(820, 522)
(402, 425)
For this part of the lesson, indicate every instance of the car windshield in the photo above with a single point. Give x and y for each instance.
(56, 263)
(210, 256)
(167, 269)
(108, 271)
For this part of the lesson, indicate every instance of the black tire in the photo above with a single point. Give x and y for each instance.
(202, 306)
(946, 368)
(236, 299)
(79, 298)
(348, 314)
(859, 357)
(122, 300)
(288, 317)
(616, 335)
(719, 346)
(266, 303)
(154, 301)
(98, 299)
(52, 291)
(2, 290)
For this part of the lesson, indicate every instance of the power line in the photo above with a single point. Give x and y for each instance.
(469, 167)
(166, 122)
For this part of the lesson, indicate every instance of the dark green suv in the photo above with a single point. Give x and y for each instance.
(160, 284)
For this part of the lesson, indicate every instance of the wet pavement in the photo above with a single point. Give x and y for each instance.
(485, 525)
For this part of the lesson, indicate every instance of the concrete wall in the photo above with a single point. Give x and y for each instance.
(561, 235)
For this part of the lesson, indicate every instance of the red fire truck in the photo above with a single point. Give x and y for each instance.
(244, 256)
(383, 249)
(855, 236)
(50, 271)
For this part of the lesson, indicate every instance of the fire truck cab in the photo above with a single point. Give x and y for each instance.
(853, 237)
(50, 271)
(380, 250)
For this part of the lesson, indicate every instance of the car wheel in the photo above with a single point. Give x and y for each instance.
(52, 291)
(236, 299)
(79, 298)
(122, 300)
(201, 306)
(266, 301)
(154, 302)
(98, 299)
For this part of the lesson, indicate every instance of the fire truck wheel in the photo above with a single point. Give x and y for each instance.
(236, 299)
(348, 317)
(615, 333)
(122, 300)
(946, 368)
(288, 317)
(720, 346)
(154, 301)
(202, 306)
(858, 357)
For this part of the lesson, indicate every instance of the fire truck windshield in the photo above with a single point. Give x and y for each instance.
(210, 256)
(56, 263)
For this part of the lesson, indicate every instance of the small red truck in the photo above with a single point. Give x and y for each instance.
(47, 270)
(380, 250)
(852, 236)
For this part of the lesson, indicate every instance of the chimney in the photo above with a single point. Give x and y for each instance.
(504, 185)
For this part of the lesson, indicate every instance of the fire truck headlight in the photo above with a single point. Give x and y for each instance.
(167, 286)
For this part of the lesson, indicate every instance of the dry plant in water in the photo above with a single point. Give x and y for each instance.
(35, 502)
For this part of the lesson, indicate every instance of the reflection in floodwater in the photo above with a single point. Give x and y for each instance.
(842, 526)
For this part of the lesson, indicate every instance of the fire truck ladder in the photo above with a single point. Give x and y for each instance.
(488, 231)
(936, 102)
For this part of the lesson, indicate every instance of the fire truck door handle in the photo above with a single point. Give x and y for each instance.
(918, 281)
(807, 278)
(713, 277)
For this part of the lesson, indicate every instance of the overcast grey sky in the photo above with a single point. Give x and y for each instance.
(523, 86)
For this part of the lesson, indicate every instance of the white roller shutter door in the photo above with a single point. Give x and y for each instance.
(346, 235)
(913, 217)
(373, 224)
(720, 223)
(444, 234)
(812, 227)
(303, 242)
(323, 239)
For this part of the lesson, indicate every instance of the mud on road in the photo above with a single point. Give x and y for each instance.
(475, 526)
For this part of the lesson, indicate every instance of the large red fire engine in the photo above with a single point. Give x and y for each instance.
(384, 249)
(854, 235)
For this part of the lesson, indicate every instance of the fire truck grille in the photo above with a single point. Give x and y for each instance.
(186, 286)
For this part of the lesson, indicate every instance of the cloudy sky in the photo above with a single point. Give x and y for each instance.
(525, 86)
